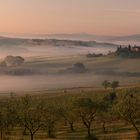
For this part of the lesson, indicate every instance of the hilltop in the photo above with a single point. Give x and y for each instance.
(101, 38)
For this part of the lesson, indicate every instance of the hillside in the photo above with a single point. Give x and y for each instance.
(125, 39)
(85, 36)
(38, 73)
(51, 42)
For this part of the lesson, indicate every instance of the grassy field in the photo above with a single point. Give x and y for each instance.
(46, 73)
(116, 130)
(127, 71)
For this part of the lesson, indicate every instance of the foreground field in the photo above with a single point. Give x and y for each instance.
(114, 128)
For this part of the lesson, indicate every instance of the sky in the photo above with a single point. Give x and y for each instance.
(101, 17)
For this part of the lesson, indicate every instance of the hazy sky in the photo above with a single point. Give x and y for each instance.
(107, 17)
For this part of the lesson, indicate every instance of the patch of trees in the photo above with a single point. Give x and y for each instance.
(11, 61)
(10, 66)
(76, 68)
(113, 85)
(94, 55)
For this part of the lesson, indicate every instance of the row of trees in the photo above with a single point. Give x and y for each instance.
(33, 114)
(107, 84)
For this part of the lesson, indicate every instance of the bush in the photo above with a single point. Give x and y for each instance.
(13, 61)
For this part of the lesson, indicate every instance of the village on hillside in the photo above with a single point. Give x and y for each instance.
(129, 51)
(121, 51)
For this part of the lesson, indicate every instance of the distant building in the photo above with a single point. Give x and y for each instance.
(128, 49)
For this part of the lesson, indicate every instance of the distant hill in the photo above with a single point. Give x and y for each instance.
(81, 36)
(6, 41)
(11, 41)
(91, 37)
(128, 39)
(121, 40)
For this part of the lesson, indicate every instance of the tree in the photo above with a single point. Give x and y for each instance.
(87, 110)
(114, 85)
(3, 118)
(11, 111)
(30, 116)
(111, 97)
(68, 112)
(50, 117)
(106, 84)
(128, 109)
(13, 61)
(105, 114)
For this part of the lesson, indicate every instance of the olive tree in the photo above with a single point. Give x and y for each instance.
(3, 118)
(30, 116)
(106, 84)
(11, 109)
(69, 113)
(114, 85)
(128, 109)
(105, 114)
(50, 118)
(87, 110)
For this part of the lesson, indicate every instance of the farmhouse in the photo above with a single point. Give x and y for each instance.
(129, 49)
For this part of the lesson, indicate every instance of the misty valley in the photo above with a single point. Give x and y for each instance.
(44, 66)
(68, 89)
(69, 70)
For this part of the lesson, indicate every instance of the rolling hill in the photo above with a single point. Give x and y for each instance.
(51, 42)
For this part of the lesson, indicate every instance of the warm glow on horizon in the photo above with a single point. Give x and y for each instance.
(106, 17)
